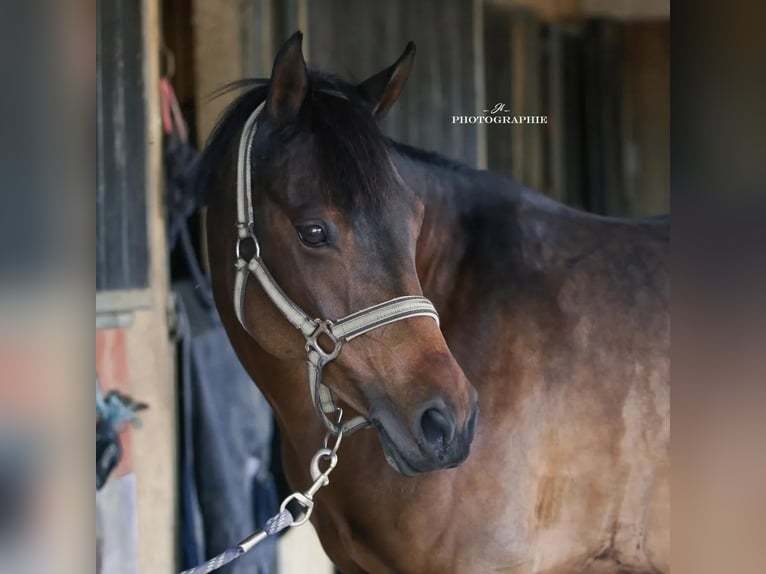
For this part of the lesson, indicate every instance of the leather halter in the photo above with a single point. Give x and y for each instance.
(338, 331)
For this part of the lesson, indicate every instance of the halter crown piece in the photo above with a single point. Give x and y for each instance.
(338, 331)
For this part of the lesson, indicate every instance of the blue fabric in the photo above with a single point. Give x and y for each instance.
(227, 490)
(116, 409)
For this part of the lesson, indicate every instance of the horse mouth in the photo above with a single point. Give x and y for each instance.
(394, 458)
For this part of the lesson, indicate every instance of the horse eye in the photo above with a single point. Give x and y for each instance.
(312, 234)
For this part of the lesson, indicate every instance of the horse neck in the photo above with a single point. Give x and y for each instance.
(461, 227)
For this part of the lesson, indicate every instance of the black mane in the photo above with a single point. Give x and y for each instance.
(351, 150)
(430, 157)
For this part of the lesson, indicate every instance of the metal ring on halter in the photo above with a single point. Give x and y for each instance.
(245, 234)
(324, 328)
(338, 435)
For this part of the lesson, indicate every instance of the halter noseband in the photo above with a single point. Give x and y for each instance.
(338, 332)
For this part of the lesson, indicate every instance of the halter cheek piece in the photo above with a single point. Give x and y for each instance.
(336, 332)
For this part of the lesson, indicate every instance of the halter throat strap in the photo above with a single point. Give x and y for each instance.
(317, 332)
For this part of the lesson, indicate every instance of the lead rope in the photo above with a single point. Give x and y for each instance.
(284, 518)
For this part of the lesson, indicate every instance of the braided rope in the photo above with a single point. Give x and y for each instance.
(273, 525)
(216, 562)
(278, 522)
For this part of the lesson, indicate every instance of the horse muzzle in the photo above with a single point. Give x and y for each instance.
(433, 441)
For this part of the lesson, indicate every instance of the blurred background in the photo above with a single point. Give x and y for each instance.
(187, 446)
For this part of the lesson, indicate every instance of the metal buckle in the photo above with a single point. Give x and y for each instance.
(307, 505)
(317, 474)
(246, 233)
(312, 341)
(320, 477)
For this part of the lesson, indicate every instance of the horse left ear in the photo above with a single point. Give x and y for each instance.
(289, 81)
(383, 89)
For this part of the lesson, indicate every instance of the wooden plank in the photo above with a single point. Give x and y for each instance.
(646, 73)
(518, 61)
(116, 300)
(548, 9)
(302, 23)
(479, 80)
(409, 99)
(572, 138)
(427, 129)
(218, 58)
(627, 9)
(611, 121)
(532, 107)
(449, 64)
(594, 198)
(466, 88)
(266, 44)
(150, 352)
(429, 122)
(560, 10)
(322, 37)
(603, 118)
(528, 146)
(387, 43)
(463, 76)
(556, 184)
(497, 50)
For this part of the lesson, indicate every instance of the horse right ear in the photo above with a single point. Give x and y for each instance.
(383, 89)
(289, 81)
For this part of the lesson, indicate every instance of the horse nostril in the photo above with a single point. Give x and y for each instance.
(471, 426)
(438, 427)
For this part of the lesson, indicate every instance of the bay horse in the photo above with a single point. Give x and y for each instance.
(553, 321)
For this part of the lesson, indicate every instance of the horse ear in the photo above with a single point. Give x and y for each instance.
(383, 89)
(289, 81)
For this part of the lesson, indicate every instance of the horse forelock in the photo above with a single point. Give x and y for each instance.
(350, 152)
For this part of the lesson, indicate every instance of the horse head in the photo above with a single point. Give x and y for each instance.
(337, 228)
